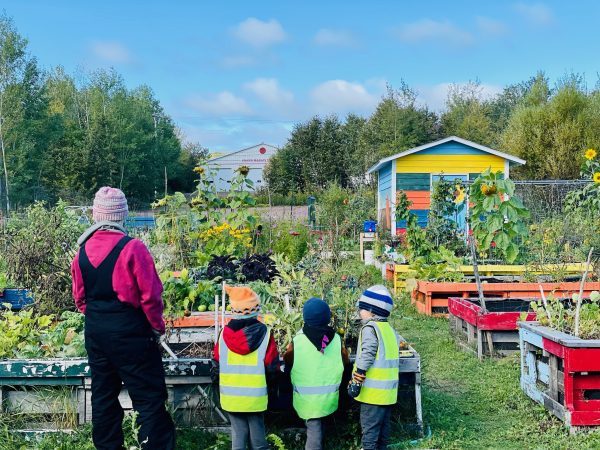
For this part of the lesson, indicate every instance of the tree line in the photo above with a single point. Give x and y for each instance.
(547, 125)
(64, 137)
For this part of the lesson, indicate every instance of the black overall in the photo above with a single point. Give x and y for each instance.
(122, 349)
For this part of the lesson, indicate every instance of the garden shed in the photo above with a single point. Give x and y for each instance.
(416, 170)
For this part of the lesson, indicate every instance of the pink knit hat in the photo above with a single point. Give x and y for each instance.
(110, 204)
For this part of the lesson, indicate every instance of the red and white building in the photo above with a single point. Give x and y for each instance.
(255, 157)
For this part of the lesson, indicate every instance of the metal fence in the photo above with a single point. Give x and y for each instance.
(546, 198)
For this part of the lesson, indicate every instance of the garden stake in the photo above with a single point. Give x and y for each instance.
(476, 273)
(545, 304)
(223, 307)
(216, 318)
(580, 298)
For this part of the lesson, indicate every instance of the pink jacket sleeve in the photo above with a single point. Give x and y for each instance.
(78, 288)
(148, 283)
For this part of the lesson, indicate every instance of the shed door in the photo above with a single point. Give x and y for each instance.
(460, 217)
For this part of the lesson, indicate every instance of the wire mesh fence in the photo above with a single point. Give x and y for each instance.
(546, 198)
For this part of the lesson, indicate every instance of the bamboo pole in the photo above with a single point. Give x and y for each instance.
(581, 286)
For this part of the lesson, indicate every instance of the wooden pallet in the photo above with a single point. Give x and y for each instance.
(431, 298)
(403, 271)
(562, 373)
(490, 333)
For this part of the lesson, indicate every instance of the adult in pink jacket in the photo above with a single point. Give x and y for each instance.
(116, 286)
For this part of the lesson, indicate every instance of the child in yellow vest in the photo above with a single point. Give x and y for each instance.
(375, 379)
(316, 358)
(244, 354)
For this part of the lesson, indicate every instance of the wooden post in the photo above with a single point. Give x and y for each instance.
(216, 318)
(580, 298)
(476, 273)
(223, 307)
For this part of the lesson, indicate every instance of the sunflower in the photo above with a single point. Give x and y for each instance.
(590, 154)
(459, 195)
(597, 177)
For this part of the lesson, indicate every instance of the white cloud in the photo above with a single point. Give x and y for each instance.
(233, 62)
(434, 96)
(537, 13)
(491, 26)
(428, 30)
(326, 37)
(258, 33)
(271, 93)
(218, 105)
(111, 52)
(341, 96)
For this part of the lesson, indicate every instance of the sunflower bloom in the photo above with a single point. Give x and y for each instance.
(597, 177)
(590, 154)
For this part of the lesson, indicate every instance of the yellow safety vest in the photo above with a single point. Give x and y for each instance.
(316, 377)
(242, 381)
(381, 382)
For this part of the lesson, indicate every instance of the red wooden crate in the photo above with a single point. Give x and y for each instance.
(562, 373)
(490, 333)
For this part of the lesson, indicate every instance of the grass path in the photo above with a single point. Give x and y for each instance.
(469, 404)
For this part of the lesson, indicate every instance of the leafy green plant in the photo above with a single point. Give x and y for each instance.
(25, 334)
(497, 217)
(447, 203)
(438, 265)
(40, 246)
(588, 197)
(560, 315)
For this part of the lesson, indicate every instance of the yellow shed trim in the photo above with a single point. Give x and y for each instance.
(450, 164)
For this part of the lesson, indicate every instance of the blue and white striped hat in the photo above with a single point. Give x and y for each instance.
(377, 299)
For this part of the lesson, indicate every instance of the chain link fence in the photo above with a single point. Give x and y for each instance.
(546, 198)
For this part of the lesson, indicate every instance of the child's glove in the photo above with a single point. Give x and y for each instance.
(358, 378)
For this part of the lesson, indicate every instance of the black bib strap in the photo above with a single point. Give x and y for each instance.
(97, 281)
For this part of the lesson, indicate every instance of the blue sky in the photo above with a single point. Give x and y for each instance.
(232, 74)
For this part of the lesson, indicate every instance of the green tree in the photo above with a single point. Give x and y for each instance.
(549, 129)
(467, 114)
(397, 124)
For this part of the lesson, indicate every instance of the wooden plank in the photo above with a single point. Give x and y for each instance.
(505, 336)
(543, 372)
(553, 364)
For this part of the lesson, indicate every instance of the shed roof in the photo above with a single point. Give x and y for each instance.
(483, 148)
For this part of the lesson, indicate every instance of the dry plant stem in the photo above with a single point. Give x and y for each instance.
(476, 273)
(545, 302)
(580, 298)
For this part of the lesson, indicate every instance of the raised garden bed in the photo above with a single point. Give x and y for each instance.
(490, 333)
(403, 271)
(562, 373)
(431, 298)
(24, 385)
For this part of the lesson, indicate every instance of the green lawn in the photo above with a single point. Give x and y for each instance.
(469, 404)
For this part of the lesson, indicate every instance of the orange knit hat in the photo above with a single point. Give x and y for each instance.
(243, 300)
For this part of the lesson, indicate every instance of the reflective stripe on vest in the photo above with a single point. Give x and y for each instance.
(316, 377)
(381, 383)
(242, 381)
